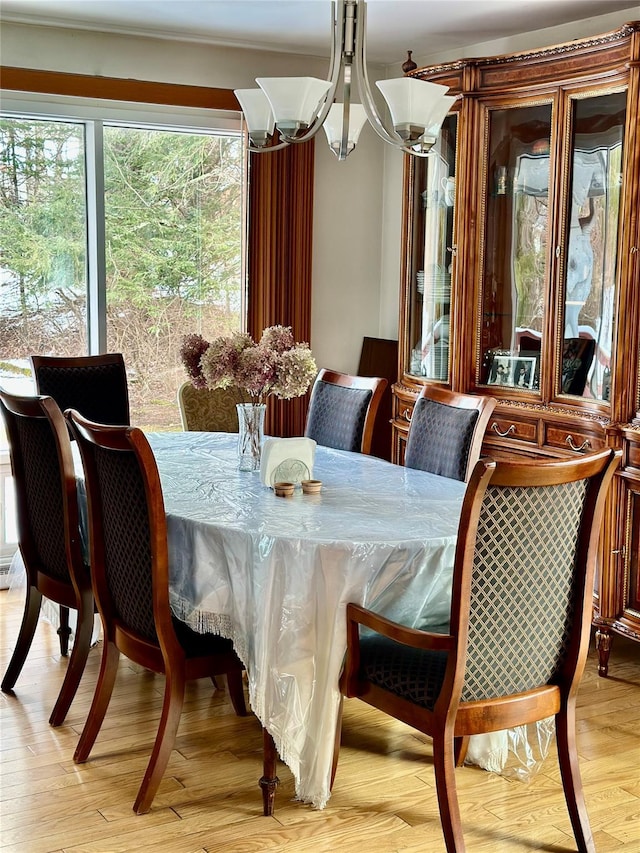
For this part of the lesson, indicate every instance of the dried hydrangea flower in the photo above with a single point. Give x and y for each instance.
(277, 365)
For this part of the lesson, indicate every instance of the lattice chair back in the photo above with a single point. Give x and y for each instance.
(342, 410)
(525, 587)
(49, 537)
(120, 536)
(37, 439)
(43, 495)
(96, 386)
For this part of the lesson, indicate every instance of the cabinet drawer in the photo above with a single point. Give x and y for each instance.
(402, 411)
(573, 439)
(513, 428)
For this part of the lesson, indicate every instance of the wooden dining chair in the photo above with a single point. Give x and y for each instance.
(129, 560)
(95, 385)
(203, 410)
(519, 632)
(342, 410)
(446, 432)
(48, 534)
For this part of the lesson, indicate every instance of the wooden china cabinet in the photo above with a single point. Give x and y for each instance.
(521, 272)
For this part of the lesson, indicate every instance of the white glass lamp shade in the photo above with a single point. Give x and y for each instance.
(333, 127)
(415, 105)
(439, 113)
(294, 100)
(257, 114)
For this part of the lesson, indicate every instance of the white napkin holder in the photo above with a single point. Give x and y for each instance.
(289, 459)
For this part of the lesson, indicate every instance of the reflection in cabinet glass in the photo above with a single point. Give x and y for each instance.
(590, 279)
(432, 263)
(515, 253)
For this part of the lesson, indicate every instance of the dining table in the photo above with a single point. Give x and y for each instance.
(275, 574)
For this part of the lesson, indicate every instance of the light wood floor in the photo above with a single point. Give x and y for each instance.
(384, 796)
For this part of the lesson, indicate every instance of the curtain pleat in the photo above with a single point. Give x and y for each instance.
(279, 267)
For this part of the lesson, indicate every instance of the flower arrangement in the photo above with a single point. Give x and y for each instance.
(276, 365)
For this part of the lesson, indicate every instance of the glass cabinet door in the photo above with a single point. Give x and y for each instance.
(592, 227)
(515, 263)
(431, 267)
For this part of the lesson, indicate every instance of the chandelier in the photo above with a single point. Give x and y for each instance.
(299, 106)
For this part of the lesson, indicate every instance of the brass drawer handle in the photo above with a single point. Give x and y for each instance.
(586, 444)
(496, 429)
(406, 414)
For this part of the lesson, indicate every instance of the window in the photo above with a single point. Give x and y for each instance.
(281, 201)
(121, 231)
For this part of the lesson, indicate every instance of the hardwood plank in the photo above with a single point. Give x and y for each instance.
(384, 799)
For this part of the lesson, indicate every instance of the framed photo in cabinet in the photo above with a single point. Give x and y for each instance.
(514, 371)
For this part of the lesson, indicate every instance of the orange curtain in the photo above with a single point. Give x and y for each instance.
(279, 266)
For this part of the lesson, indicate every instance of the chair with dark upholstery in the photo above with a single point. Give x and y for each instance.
(202, 410)
(95, 385)
(48, 534)
(129, 558)
(342, 410)
(519, 631)
(446, 432)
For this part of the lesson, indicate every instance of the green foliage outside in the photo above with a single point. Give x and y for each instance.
(173, 207)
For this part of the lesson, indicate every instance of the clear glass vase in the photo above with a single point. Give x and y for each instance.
(251, 435)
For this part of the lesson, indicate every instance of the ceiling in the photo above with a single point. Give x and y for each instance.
(303, 26)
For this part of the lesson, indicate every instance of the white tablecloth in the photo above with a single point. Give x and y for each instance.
(275, 574)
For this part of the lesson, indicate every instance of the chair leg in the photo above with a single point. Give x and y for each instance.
(32, 604)
(100, 703)
(460, 747)
(165, 739)
(235, 686)
(444, 763)
(64, 631)
(571, 780)
(77, 661)
(269, 781)
(336, 744)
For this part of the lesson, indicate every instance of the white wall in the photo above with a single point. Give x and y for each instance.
(544, 37)
(347, 251)
(358, 203)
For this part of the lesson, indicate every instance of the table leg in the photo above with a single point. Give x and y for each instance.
(269, 780)
(64, 631)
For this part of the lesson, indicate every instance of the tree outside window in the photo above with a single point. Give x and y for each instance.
(173, 249)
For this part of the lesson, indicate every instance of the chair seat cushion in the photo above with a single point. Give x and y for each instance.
(414, 674)
(200, 645)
